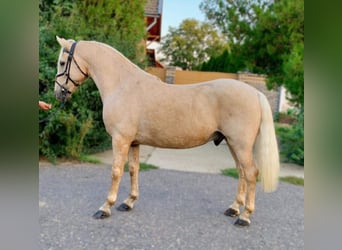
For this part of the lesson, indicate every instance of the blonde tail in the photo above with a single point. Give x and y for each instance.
(266, 148)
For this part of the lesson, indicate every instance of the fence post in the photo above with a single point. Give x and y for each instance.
(170, 74)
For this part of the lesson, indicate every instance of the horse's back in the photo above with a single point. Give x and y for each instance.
(228, 87)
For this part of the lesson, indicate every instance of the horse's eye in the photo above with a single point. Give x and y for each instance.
(62, 63)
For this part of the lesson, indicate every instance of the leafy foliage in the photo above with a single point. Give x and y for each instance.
(277, 46)
(293, 77)
(234, 18)
(191, 44)
(225, 62)
(267, 37)
(79, 128)
(292, 140)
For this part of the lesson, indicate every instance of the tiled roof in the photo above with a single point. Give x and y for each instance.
(153, 7)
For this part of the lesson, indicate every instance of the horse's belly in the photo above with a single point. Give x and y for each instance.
(180, 144)
(172, 139)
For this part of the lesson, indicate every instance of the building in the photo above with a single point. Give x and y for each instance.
(153, 16)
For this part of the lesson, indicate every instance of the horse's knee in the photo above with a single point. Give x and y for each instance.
(241, 198)
(116, 173)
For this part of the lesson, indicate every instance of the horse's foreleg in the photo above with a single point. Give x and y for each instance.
(234, 209)
(120, 150)
(133, 163)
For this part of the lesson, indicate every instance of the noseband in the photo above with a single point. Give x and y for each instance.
(66, 72)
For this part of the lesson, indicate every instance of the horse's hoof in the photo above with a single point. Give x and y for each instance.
(241, 223)
(231, 212)
(124, 207)
(100, 215)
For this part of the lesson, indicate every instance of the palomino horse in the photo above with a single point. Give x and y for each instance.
(138, 108)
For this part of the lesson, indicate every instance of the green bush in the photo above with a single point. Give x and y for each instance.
(291, 139)
(288, 117)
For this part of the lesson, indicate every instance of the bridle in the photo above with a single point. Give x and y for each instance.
(66, 72)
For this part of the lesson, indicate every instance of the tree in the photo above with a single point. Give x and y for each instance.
(267, 35)
(226, 62)
(293, 78)
(191, 44)
(234, 18)
(276, 46)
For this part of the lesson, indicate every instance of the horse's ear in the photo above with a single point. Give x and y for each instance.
(64, 43)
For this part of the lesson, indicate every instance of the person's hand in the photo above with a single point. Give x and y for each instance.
(44, 105)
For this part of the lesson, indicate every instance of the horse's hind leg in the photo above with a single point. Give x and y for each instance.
(120, 151)
(251, 173)
(246, 187)
(133, 164)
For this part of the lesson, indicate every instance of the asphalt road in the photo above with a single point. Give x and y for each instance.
(176, 210)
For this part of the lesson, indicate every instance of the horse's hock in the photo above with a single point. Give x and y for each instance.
(171, 75)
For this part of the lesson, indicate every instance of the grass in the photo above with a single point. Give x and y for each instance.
(87, 158)
(82, 158)
(143, 167)
(293, 180)
(232, 172)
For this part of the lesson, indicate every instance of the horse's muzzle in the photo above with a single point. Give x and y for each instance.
(62, 95)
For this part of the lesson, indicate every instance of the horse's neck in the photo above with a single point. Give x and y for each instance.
(109, 68)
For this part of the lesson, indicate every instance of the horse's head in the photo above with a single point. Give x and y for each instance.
(71, 70)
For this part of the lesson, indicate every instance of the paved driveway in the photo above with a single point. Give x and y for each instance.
(176, 210)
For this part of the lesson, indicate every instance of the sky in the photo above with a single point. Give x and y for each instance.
(175, 11)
